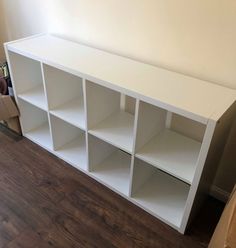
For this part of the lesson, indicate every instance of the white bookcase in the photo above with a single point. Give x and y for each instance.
(160, 153)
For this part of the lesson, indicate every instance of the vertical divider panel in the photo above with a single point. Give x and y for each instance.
(136, 118)
(46, 97)
(44, 84)
(85, 103)
(86, 119)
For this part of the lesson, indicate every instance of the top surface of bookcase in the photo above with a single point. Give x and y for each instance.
(191, 97)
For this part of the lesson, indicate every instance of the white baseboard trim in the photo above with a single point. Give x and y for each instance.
(219, 193)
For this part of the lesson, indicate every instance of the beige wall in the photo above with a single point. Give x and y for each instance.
(3, 35)
(19, 18)
(193, 37)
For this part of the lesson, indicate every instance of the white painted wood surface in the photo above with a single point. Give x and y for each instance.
(175, 92)
(74, 152)
(27, 73)
(117, 130)
(151, 121)
(61, 87)
(31, 116)
(114, 171)
(164, 196)
(35, 96)
(40, 135)
(101, 102)
(70, 104)
(72, 112)
(172, 153)
(63, 132)
(69, 142)
(98, 151)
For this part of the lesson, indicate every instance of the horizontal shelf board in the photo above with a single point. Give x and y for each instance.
(164, 196)
(74, 153)
(117, 130)
(35, 96)
(177, 92)
(72, 112)
(172, 153)
(41, 135)
(115, 172)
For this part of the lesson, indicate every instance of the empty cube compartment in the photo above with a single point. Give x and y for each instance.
(35, 124)
(159, 193)
(65, 96)
(28, 80)
(106, 118)
(109, 165)
(69, 143)
(163, 141)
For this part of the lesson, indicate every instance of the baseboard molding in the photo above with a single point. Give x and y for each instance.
(219, 193)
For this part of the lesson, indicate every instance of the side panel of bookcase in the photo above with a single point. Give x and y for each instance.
(212, 150)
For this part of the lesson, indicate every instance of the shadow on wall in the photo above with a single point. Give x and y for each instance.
(226, 174)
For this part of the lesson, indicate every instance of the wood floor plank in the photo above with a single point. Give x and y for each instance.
(28, 239)
(44, 202)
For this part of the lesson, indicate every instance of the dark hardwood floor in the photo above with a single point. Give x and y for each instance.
(45, 203)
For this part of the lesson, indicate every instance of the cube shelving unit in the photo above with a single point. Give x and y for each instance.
(151, 135)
